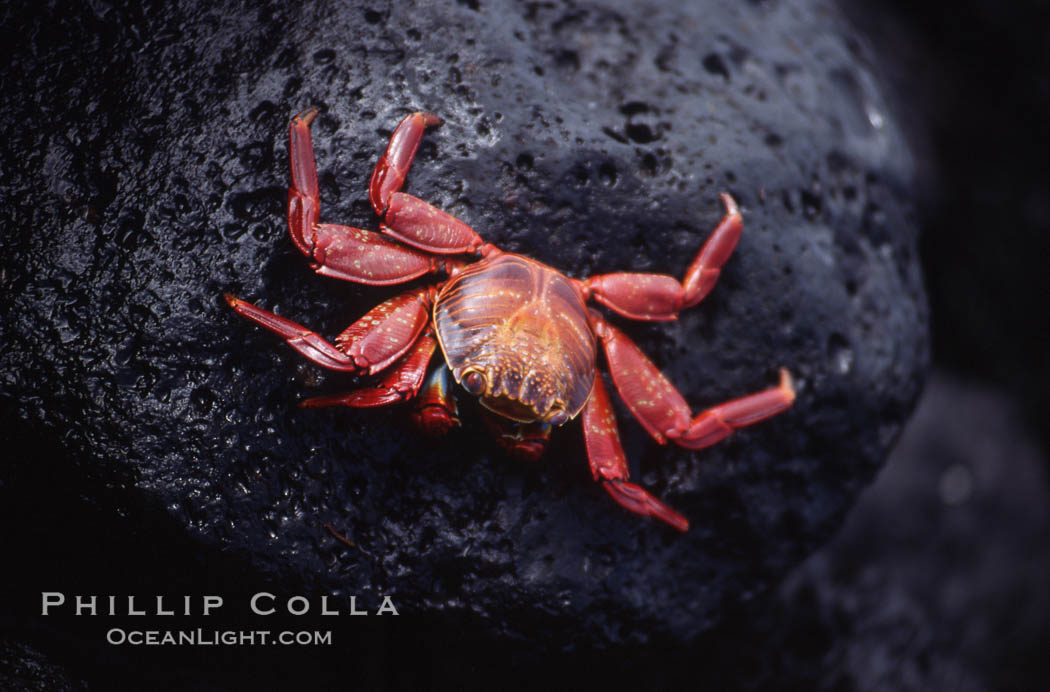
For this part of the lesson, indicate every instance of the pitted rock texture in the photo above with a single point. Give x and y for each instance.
(145, 173)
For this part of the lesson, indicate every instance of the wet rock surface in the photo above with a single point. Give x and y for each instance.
(145, 171)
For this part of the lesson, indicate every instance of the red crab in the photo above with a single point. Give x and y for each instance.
(514, 332)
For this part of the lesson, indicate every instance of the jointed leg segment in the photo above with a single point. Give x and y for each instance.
(660, 297)
(305, 341)
(609, 465)
(371, 344)
(392, 167)
(718, 422)
(662, 410)
(386, 331)
(401, 383)
(304, 202)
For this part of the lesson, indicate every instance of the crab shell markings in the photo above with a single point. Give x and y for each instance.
(517, 332)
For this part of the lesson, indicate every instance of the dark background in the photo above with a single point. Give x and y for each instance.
(937, 581)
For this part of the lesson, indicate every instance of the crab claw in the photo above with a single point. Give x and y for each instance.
(435, 410)
(523, 441)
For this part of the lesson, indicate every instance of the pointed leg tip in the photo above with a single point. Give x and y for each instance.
(429, 119)
(671, 517)
(787, 383)
(306, 116)
(638, 500)
(233, 300)
(730, 204)
(680, 524)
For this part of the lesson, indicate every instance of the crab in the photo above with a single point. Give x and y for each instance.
(513, 332)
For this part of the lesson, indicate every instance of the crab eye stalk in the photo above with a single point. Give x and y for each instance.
(558, 417)
(474, 382)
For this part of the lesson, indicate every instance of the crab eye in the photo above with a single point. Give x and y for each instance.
(474, 382)
(559, 417)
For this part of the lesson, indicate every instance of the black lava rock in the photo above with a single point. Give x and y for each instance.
(144, 173)
(25, 668)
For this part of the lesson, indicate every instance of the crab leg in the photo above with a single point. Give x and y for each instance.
(435, 408)
(424, 226)
(401, 383)
(304, 202)
(392, 167)
(524, 441)
(609, 465)
(718, 422)
(365, 257)
(372, 343)
(388, 330)
(344, 252)
(662, 410)
(408, 218)
(307, 342)
(658, 297)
